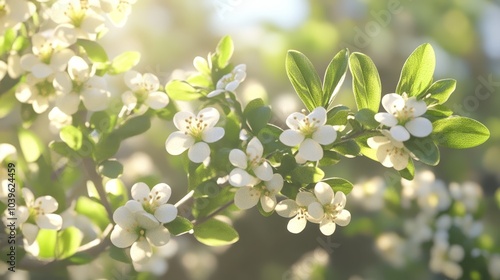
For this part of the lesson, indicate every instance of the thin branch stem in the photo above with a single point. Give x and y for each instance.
(183, 200)
(213, 214)
(96, 178)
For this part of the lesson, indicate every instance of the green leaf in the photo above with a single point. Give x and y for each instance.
(417, 72)
(28, 115)
(199, 173)
(180, 90)
(119, 254)
(179, 226)
(365, 82)
(409, 172)
(329, 158)
(304, 79)
(94, 50)
(441, 90)
(215, 233)
(288, 164)
(339, 184)
(337, 115)
(497, 197)
(8, 98)
(459, 132)
(367, 118)
(47, 242)
(224, 51)
(307, 174)
(111, 168)
(348, 149)
(92, 210)
(334, 76)
(107, 147)
(258, 118)
(424, 149)
(31, 146)
(68, 242)
(72, 136)
(133, 127)
(253, 105)
(102, 121)
(124, 62)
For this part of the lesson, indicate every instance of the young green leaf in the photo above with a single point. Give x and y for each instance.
(179, 226)
(339, 184)
(47, 243)
(224, 50)
(68, 242)
(334, 76)
(124, 62)
(72, 136)
(348, 148)
(215, 233)
(92, 210)
(258, 118)
(307, 174)
(441, 90)
(459, 132)
(95, 51)
(424, 149)
(110, 168)
(417, 72)
(337, 115)
(304, 79)
(133, 127)
(365, 82)
(179, 90)
(367, 118)
(31, 145)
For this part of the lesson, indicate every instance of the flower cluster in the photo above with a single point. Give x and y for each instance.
(139, 223)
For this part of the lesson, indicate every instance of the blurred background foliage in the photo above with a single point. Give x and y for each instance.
(169, 34)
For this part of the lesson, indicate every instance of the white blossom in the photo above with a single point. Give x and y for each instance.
(13, 12)
(250, 166)
(37, 92)
(80, 82)
(423, 179)
(389, 151)
(265, 192)
(369, 194)
(143, 92)
(231, 81)
(154, 201)
(36, 215)
(157, 264)
(392, 248)
(469, 194)
(329, 208)
(445, 259)
(309, 133)
(139, 230)
(117, 10)
(298, 209)
(433, 198)
(58, 119)
(404, 116)
(195, 131)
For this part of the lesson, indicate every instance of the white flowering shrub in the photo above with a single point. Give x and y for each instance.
(53, 62)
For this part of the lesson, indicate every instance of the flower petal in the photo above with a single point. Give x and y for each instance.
(68, 103)
(419, 107)
(419, 127)
(325, 135)
(30, 232)
(123, 217)
(140, 192)
(393, 102)
(291, 137)
(231, 86)
(327, 227)
(297, 224)
(133, 80)
(399, 133)
(49, 221)
(210, 116)
(182, 119)
(264, 171)
(318, 116)
(287, 208)
(141, 251)
(316, 211)
(157, 100)
(294, 119)
(95, 99)
(255, 148)
(305, 198)
(78, 69)
(199, 152)
(62, 82)
(246, 197)
(310, 150)
(340, 199)
(59, 59)
(275, 184)
(29, 198)
(383, 154)
(343, 218)
(166, 213)
(386, 119)
(215, 92)
(134, 206)
(28, 61)
(146, 220)
(324, 193)
(150, 82)
(399, 160)
(268, 203)
(238, 158)
(213, 134)
(158, 236)
(41, 70)
(178, 142)
(129, 100)
(162, 192)
(123, 238)
(377, 141)
(47, 203)
(239, 178)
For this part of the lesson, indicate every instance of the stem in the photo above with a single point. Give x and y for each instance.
(89, 168)
(213, 214)
(188, 196)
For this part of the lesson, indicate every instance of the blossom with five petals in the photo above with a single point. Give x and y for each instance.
(309, 133)
(265, 192)
(138, 229)
(390, 152)
(404, 116)
(143, 92)
(231, 81)
(329, 209)
(154, 201)
(297, 209)
(195, 131)
(250, 166)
